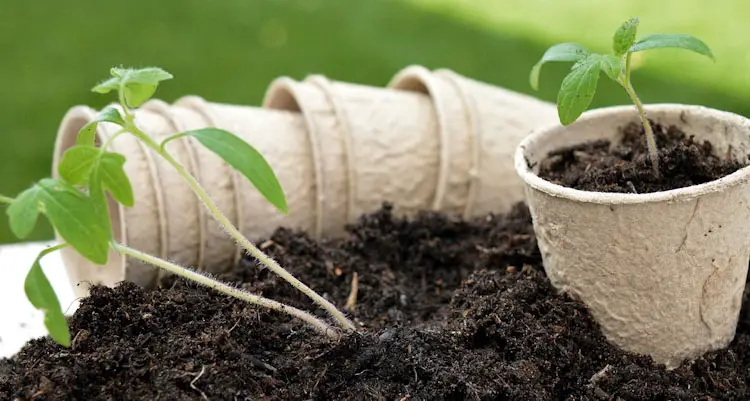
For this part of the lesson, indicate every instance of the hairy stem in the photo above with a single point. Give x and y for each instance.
(239, 237)
(226, 289)
(51, 249)
(650, 139)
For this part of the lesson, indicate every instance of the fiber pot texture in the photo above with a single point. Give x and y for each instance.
(480, 126)
(662, 273)
(369, 145)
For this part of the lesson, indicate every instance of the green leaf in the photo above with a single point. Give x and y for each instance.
(148, 76)
(559, 52)
(23, 212)
(625, 36)
(577, 90)
(42, 296)
(72, 214)
(113, 178)
(140, 84)
(611, 65)
(111, 84)
(99, 204)
(137, 85)
(248, 161)
(109, 114)
(681, 41)
(77, 163)
(136, 94)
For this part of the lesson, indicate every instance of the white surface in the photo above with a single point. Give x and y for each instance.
(20, 320)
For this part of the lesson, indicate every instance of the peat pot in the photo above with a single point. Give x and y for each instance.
(662, 273)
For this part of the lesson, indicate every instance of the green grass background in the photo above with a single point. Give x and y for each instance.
(51, 53)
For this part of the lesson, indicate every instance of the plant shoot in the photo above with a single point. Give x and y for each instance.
(579, 86)
(76, 204)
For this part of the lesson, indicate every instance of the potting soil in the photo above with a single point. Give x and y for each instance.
(626, 167)
(448, 310)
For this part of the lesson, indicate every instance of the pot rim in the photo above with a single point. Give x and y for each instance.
(607, 198)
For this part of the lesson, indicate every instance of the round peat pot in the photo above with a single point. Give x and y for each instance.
(480, 126)
(662, 273)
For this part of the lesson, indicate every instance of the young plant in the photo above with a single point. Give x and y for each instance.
(578, 87)
(77, 208)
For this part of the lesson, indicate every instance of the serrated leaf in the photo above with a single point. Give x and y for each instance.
(109, 114)
(42, 296)
(245, 159)
(77, 163)
(24, 212)
(577, 90)
(111, 84)
(624, 37)
(113, 178)
(667, 40)
(559, 52)
(611, 65)
(71, 213)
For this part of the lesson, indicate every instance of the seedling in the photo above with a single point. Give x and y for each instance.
(578, 87)
(77, 208)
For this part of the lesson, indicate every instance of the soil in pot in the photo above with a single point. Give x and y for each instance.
(625, 166)
(451, 310)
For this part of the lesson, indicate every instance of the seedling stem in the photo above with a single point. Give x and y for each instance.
(579, 86)
(624, 80)
(237, 235)
(228, 290)
(77, 207)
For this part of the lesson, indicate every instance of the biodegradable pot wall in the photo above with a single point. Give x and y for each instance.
(370, 145)
(663, 273)
(480, 127)
(498, 119)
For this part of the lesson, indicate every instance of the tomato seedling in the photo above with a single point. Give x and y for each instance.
(579, 86)
(76, 204)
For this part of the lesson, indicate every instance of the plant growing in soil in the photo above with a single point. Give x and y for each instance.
(579, 86)
(76, 204)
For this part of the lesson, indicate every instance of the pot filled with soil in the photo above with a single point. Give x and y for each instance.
(660, 260)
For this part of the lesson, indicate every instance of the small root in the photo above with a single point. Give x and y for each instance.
(632, 187)
(351, 302)
(596, 378)
(315, 387)
(257, 362)
(600, 375)
(235, 326)
(192, 383)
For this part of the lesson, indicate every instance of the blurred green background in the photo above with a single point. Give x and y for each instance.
(52, 53)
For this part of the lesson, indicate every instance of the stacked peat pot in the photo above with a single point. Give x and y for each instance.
(430, 140)
(436, 140)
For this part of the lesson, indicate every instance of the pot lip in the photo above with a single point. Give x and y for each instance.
(607, 198)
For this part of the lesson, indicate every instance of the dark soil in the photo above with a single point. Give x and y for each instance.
(450, 310)
(598, 166)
